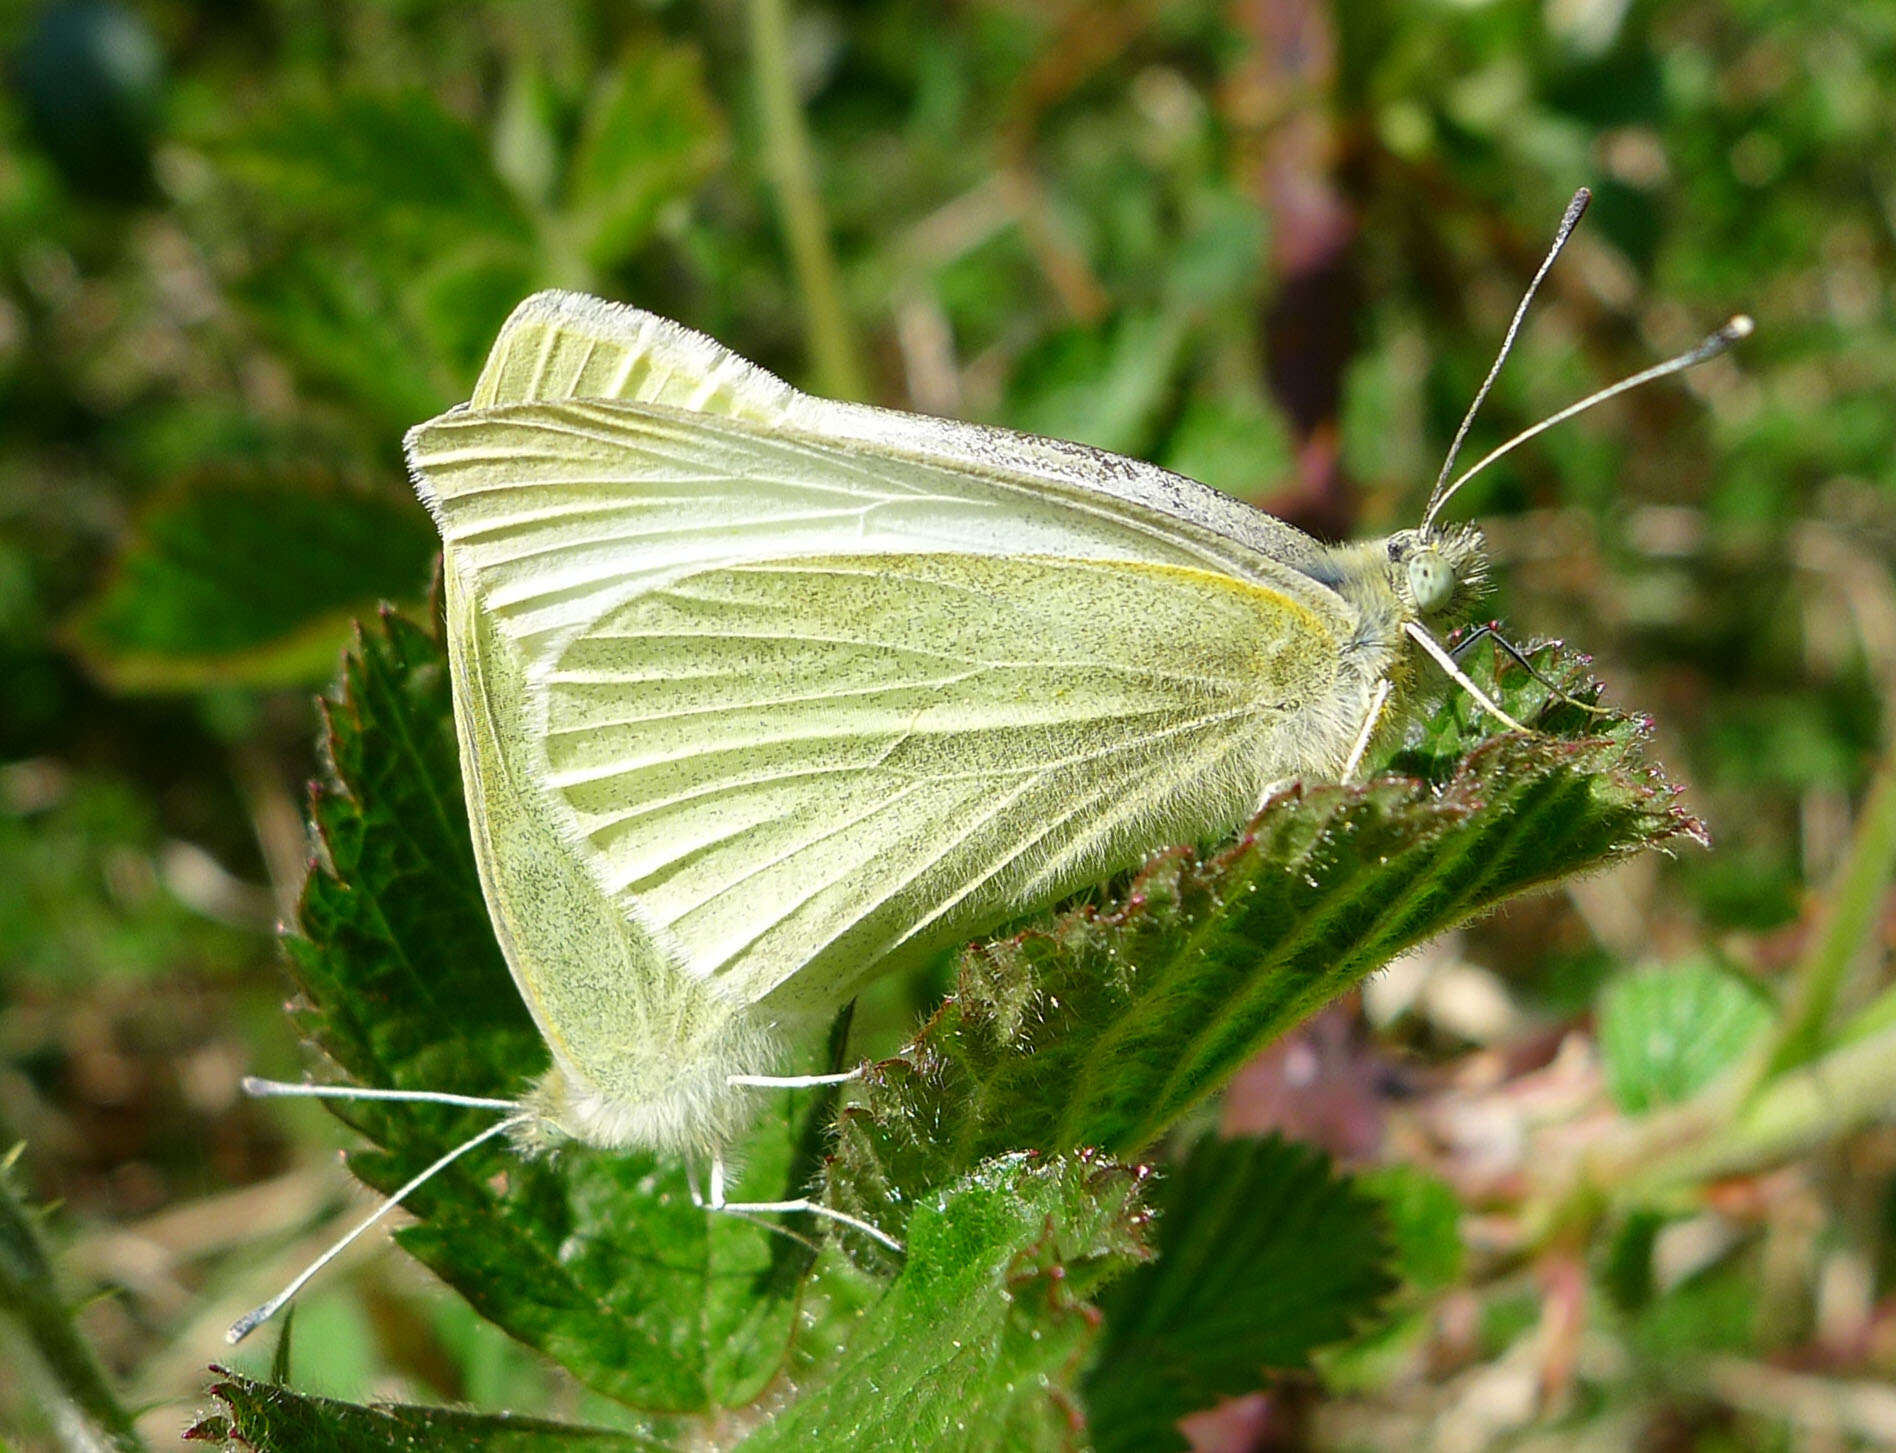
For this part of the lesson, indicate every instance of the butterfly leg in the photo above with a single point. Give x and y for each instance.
(793, 1082)
(1460, 677)
(691, 1181)
(1370, 718)
(800, 1203)
(1493, 633)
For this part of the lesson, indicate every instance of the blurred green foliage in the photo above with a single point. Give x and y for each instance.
(1667, 1031)
(242, 246)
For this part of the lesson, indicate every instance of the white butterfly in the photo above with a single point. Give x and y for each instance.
(760, 695)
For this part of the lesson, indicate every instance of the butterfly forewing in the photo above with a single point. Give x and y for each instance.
(797, 768)
(558, 510)
(559, 346)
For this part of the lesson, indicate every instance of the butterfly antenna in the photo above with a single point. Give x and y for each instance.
(1570, 219)
(1735, 328)
(256, 1317)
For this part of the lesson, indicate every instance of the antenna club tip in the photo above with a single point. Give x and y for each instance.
(1739, 326)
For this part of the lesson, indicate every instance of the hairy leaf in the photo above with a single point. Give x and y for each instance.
(1424, 1219)
(599, 1260)
(1263, 1255)
(979, 1342)
(268, 1419)
(1103, 1029)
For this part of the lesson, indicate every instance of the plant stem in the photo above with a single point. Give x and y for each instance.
(1879, 1014)
(793, 174)
(1718, 1135)
(72, 1388)
(1793, 1094)
(1850, 916)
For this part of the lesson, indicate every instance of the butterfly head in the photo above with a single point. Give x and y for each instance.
(1439, 573)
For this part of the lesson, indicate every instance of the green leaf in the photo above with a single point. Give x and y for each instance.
(1238, 444)
(1264, 1255)
(979, 1342)
(459, 300)
(369, 332)
(268, 1419)
(393, 248)
(400, 164)
(527, 133)
(1666, 1031)
(1626, 1269)
(250, 578)
(1104, 385)
(1717, 1310)
(599, 1260)
(651, 136)
(1104, 1028)
(1423, 1214)
(83, 898)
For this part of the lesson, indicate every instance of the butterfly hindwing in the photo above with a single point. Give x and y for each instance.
(560, 345)
(615, 1003)
(798, 769)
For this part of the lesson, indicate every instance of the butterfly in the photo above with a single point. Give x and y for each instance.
(760, 696)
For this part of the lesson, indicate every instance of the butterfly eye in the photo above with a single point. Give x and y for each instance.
(1431, 581)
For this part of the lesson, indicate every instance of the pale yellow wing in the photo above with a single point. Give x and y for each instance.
(607, 448)
(641, 1047)
(561, 345)
(801, 771)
